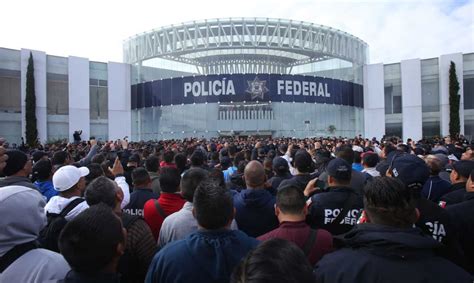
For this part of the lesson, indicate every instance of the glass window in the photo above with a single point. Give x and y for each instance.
(392, 89)
(430, 85)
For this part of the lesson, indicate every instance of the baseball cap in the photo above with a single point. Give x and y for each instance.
(464, 167)
(67, 176)
(16, 161)
(410, 169)
(42, 169)
(37, 155)
(339, 169)
(279, 164)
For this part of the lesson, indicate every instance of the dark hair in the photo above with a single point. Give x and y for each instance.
(389, 147)
(371, 159)
(290, 200)
(214, 156)
(152, 163)
(213, 206)
(98, 158)
(345, 152)
(241, 166)
(180, 161)
(89, 241)
(434, 164)
(389, 202)
(95, 171)
(59, 157)
(217, 176)
(168, 156)
(197, 158)
(42, 170)
(274, 261)
(357, 157)
(140, 177)
(169, 179)
(190, 180)
(101, 190)
(239, 156)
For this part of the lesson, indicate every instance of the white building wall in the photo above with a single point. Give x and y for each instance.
(374, 102)
(412, 126)
(39, 59)
(119, 93)
(79, 114)
(444, 63)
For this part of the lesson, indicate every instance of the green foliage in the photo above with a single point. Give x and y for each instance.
(31, 131)
(331, 129)
(454, 123)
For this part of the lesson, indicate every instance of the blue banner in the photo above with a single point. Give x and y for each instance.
(246, 87)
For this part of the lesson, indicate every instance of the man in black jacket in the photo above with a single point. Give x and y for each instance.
(388, 248)
(339, 197)
(462, 215)
(304, 166)
(458, 177)
(142, 192)
(432, 220)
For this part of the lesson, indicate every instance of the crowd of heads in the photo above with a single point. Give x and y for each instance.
(208, 173)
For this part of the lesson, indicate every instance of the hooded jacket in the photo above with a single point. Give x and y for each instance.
(462, 215)
(255, 211)
(455, 194)
(378, 253)
(36, 265)
(17, 181)
(203, 256)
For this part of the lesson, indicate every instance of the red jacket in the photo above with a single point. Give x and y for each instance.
(298, 233)
(169, 203)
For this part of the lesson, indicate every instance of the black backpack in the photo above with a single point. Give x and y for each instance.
(49, 236)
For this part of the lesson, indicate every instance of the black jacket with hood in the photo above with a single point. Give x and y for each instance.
(378, 253)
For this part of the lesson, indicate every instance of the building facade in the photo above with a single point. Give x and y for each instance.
(245, 76)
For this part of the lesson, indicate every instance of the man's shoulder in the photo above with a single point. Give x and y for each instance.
(454, 196)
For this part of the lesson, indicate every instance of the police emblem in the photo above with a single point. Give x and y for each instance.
(257, 88)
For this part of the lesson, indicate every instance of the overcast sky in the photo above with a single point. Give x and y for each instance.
(394, 30)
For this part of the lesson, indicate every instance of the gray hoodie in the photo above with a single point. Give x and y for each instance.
(22, 218)
(17, 181)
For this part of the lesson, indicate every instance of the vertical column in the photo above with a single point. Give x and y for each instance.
(444, 63)
(79, 114)
(39, 60)
(411, 99)
(374, 101)
(119, 98)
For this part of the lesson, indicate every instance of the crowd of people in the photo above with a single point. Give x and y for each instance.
(238, 210)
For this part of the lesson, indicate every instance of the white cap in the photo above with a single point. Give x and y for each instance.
(67, 176)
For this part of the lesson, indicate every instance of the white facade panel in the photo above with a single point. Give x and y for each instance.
(79, 115)
(39, 59)
(119, 93)
(444, 63)
(411, 99)
(374, 104)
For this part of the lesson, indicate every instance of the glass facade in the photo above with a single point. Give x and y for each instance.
(98, 100)
(10, 95)
(468, 82)
(393, 99)
(57, 97)
(430, 97)
(275, 118)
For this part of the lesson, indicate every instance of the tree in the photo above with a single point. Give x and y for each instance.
(454, 124)
(331, 129)
(31, 131)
